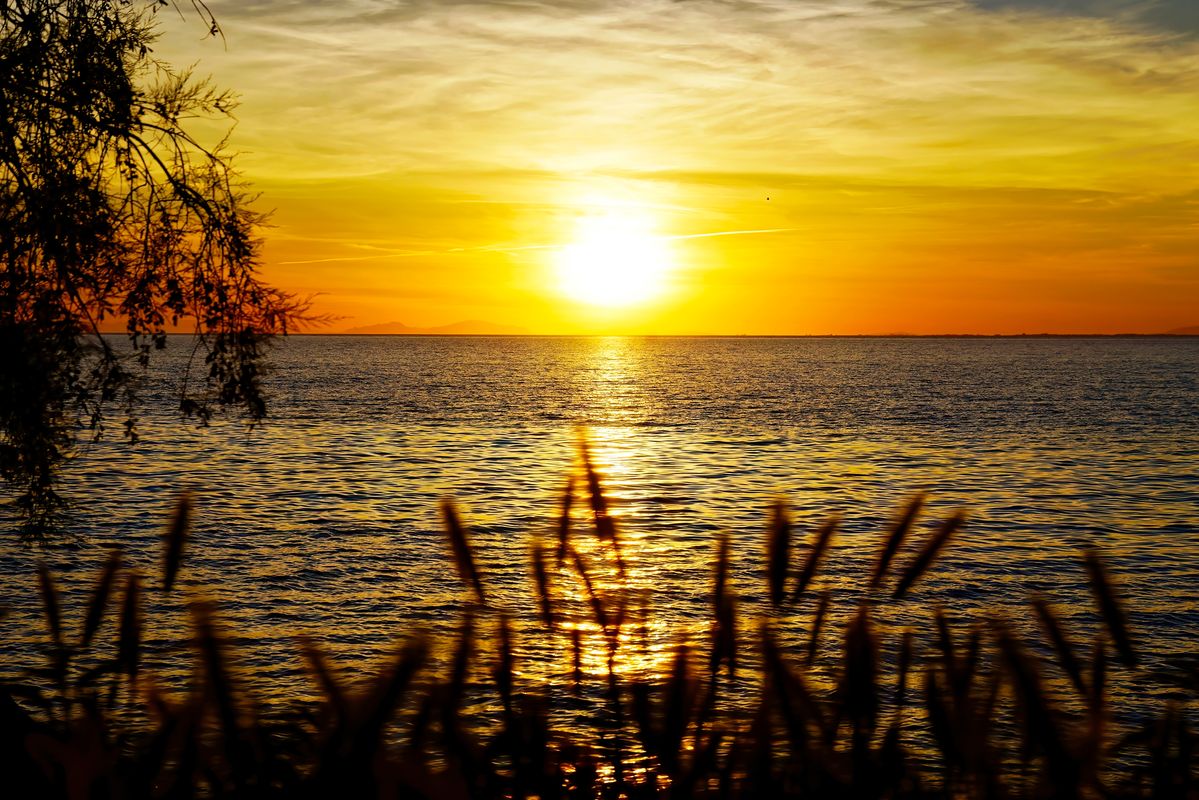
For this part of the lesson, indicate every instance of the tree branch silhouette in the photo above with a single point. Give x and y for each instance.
(113, 212)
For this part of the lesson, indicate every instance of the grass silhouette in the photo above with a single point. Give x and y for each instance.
(975, 717)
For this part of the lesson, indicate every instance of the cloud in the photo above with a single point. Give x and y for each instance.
(1176, 16)
(1057, 135)
(994, 93)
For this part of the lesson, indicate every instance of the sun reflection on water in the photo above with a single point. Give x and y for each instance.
(624, 572)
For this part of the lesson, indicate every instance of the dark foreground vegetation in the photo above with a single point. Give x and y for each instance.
(116, 214)
(978, 715)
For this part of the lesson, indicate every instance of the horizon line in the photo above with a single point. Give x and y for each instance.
(1126, 335)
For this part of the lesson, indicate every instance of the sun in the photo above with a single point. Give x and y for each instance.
(615, 260)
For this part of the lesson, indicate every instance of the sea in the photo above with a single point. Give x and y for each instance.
(325, 522)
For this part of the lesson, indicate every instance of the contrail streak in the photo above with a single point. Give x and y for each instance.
(500, 248)
(710, 234)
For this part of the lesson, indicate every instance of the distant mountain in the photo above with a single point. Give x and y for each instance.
(470, 327)
(1193, 330)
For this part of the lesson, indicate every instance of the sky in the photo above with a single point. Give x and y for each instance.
(721, 167)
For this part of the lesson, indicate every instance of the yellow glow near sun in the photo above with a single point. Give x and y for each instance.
(615, 260)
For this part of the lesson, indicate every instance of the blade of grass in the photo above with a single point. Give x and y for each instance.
(1061, 645)
(903, 666)
(51, 605)
(564, 519)
(822, 606)
(504, 668)
(1039, 719)
(176, 534)
(861, 674)
(722, 569)
(928, 553)
(595, 492)
(130, 636)
(778, 551)
(894, 539)
(796, 699)
(597, 603)
(464, 558)
(677, 710)
(605, 525)
(319, 667)
(541, 578)
(824, 537)
(724, 648)
(576, 653)
(218, 679)
(99, 600)
(1110, 607)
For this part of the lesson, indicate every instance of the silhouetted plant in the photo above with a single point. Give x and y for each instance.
(979, 716)
(113, 214)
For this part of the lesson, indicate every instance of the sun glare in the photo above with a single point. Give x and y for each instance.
(615, 260)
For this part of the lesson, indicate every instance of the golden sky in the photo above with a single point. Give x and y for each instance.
(770, 167)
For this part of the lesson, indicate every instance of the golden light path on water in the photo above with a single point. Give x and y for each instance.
(325, 522)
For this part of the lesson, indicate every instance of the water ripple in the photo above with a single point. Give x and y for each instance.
(324, 522)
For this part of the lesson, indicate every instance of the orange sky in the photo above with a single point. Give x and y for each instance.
(932, 166)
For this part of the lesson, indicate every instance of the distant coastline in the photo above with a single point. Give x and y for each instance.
(447, 332)
(470, 327)
(479, 328)
(770, 335)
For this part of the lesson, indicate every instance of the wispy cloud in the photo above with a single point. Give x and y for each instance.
(965, 136)
(516, 248)
(998, 92)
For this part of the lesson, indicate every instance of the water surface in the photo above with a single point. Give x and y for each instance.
(325, 520)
